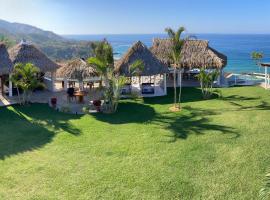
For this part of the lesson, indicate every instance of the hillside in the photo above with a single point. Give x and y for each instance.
(55, 46)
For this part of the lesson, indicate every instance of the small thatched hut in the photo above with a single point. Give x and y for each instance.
(27, 53)
(5, 66)
(77, 69)
(195, 54)
(152, 79)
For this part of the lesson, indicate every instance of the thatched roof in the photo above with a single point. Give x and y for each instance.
(195, 54)
(152, 66)
(265, 64)
(76, 69)
(5, 62)
(28, 53)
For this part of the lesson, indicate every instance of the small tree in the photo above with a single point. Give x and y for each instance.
(175, 36)
(257, 57)
(104, 64)
(207, 79)
(25, 77)
(136, 68)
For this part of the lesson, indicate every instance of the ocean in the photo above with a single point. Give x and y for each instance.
(237, 47)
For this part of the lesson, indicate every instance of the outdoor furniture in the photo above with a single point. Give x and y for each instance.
(71, 84)
(148, 88)
(90, 85)
(70, 93)
(80, 96)
(126, 89)
(53, 101)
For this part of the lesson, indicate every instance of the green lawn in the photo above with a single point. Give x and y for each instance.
(214, 149)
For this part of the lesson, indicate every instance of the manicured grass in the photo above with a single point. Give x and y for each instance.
(214, 149)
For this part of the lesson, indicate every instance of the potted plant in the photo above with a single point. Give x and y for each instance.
(97, 104)
(53, 101)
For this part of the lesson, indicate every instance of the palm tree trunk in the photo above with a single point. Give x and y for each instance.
(180, 89)
(19, 97)
(174, 85)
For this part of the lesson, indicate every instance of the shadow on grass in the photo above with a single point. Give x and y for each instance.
(193, 121)
(181, 125)
(189, 94)
(25, 128)
(238, 101)
(128, 112)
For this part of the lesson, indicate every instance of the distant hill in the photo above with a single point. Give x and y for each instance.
(55, 46)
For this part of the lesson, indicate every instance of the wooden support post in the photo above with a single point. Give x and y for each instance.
(10, 91)
(165, 83)
(65, 84)
(53, 81)
(265, 76)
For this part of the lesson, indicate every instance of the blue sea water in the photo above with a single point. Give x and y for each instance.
(237, 47)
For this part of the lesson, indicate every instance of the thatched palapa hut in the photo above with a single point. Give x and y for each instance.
(77, 69)
(152, 79)
(5, 67)
(194, 54)
(27, 53)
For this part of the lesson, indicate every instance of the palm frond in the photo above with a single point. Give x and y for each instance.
(170, 32)
(136, 67)
(98, 64)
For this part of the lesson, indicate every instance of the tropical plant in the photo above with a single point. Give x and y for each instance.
(175, 36)
(136, 68)
(257, 57)
(25, 77)
(207, 79)
(104, 64)
(264, 193)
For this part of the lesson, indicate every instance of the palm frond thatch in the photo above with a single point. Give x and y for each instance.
(28, 53)
(5, 62)
(152, 66)
(76, 69)
(194, 54)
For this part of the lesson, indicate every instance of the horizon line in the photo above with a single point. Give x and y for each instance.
(71, 34)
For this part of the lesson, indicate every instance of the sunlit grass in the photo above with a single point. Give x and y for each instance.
(214, 149)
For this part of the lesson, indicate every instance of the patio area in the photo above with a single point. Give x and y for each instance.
(63, 102)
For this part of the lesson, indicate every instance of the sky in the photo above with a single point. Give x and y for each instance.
(140, 16)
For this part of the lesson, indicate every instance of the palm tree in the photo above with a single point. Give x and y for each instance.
(103, 60)
(104, 64)
(136, 68)
(177, 42)
(25, 76)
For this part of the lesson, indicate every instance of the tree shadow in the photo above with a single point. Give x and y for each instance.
(40, 113)
(189, 94)
(239, 107)
(239, 98)
(181, 125)
(128, 112)
(23, 128)
(238, 102)
(194, 121)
